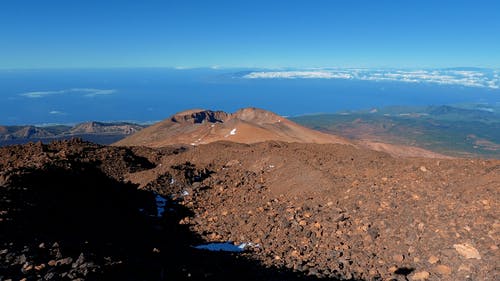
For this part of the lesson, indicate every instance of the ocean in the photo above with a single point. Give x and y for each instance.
(69, 96)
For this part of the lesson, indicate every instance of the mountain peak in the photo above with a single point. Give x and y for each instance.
(247, 125)
(93, 127)
(198, 116)
(257, 115)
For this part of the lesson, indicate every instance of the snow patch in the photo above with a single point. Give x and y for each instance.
(160, 205)
(226, 247)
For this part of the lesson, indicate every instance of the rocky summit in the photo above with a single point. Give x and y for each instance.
(274, 210)
(248, 125)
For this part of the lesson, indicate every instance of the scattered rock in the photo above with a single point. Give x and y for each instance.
(3, 179)
(64, 261)
(433, 259)
(467, 251)
(443, 269)
(40, 267)
(398, 258)
(49, 276)
(421, 275)
(232, 163)
(79, 261)
(465, 267)
(304, 216)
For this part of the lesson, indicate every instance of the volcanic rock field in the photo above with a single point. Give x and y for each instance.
(73, 210)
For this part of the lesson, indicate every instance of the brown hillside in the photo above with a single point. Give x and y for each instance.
(306, 211)
(335, 210)
(249, 125)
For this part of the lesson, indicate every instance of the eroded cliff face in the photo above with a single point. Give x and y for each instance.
(200, 116)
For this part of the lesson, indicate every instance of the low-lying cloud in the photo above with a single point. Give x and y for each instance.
(85, 92)
(467, 78)
(56, 112)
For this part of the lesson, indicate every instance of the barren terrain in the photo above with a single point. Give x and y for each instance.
(306, 211)
(248, 125)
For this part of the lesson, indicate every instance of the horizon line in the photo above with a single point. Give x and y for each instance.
(180, 68)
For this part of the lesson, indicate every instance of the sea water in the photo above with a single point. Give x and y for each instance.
(68, 96)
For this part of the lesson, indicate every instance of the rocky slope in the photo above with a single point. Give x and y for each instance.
(305, 211)
(248, 125)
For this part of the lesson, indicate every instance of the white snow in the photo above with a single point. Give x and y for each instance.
(225, 247)
(233, 132)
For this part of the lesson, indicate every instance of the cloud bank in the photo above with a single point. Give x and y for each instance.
(86, 92)
(467, 78)
(56, 112)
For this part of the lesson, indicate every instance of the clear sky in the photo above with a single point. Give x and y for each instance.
(239, 33)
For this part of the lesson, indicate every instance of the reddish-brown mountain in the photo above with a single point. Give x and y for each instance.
(248, 125)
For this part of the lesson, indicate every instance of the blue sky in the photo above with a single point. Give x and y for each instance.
(308, 33)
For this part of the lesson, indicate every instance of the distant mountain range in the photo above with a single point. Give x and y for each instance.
(99, 132)
(467, 130)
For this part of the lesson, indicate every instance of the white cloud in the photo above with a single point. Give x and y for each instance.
(56, 112)
(443, 77)
(86, 92)
(41, 94)
(298, 74)
(89, 92)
